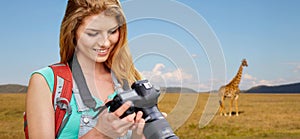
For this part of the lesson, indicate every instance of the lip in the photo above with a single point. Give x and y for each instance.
(101, 51)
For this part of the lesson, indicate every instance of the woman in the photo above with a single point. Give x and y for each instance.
(93, 42)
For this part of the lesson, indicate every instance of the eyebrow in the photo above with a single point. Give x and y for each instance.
(113, 28)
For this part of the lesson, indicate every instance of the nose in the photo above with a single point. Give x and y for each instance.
(104, 41)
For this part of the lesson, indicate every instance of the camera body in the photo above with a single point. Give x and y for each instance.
(144, 98)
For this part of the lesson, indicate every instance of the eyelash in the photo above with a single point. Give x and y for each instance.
(95, 34)
(113, 31)
(92, 34)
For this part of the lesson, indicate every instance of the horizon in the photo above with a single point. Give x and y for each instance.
(266, 33)
(182, 87)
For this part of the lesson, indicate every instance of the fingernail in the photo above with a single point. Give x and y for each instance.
(133, 127)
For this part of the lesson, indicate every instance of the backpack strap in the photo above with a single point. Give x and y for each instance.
(25, 126)
(61, 96)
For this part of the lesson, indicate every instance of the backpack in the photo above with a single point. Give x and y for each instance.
(61, 96)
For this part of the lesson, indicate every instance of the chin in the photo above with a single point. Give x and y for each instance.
(100, 60)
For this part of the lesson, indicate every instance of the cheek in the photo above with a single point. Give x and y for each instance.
(114, 38)
(85, 41)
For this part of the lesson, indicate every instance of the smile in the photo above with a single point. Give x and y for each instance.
(102, 51)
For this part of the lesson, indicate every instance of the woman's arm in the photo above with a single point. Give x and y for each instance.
(39, 109)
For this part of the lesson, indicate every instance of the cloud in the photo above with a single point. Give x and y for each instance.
(161, 76)
(204, 87)
(264, 82)
(165, 77)
(295, 66)
(248, 77)
(157, 70)
(251, 81)
(297, 69)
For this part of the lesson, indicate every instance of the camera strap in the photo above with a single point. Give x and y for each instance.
(80, 89)
(117, 85)
(83, 89)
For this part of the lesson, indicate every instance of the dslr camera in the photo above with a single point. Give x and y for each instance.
(144, 98)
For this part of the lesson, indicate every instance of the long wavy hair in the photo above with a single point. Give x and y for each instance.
(120, 60)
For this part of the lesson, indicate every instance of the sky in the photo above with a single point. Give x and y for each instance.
(196, 44)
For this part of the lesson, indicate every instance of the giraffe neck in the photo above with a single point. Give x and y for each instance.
(237, 79)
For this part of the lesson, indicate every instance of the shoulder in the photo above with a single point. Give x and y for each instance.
(46, 74)
(39, 105)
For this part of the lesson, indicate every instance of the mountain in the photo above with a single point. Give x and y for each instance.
(176, 90)
(13, 88)
(287, 88)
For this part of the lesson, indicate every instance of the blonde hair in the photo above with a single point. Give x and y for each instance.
(120, 60)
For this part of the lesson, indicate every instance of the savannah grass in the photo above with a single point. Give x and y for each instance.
(12, 107)
(266, 116)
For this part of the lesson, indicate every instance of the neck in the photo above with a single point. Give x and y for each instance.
(90, 67)
(236, 80)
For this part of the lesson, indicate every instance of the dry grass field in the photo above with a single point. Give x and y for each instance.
(12, 107)
(267, 116)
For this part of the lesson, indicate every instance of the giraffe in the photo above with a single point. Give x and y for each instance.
(231, 90)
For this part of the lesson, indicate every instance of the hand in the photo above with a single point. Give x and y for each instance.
(138, 127)
(111, 125)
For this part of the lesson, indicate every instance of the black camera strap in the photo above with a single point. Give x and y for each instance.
(84, 91)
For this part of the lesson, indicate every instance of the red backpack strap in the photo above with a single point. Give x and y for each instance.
(61, 96)
(25, 126)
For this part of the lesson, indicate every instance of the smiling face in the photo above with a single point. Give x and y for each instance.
(96, 38)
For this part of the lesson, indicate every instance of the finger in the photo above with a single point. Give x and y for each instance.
(124, 133)
(111, 117)
(124, 124)
(139, 123)
(107, 116)
(139, 116)
(164, 114)
(129, 118)
(106, 100)
(122, 109)
(140, 126)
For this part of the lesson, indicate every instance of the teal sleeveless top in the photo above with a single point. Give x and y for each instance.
(71, 129)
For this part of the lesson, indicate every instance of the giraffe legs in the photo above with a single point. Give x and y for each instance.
(233, 95)
(236, 105)
(230, 106)
(222, 106)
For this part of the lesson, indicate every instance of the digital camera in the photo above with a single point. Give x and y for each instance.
(144, 98)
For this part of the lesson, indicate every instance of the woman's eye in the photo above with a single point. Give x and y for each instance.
(113, 31)
(92, 34)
